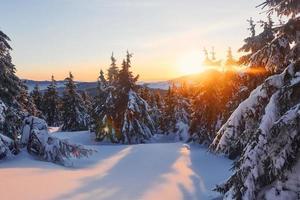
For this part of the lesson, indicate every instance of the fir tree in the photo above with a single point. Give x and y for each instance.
(74, 113)
(51, 104)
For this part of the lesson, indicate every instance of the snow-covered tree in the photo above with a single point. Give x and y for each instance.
(10, 88)
(74, 113)
(132, 111)
(120, 114)
(175, 117)
(7, 144)
(9, 82)
(168, 121)
(252, 132)
(17, 128)
(113, 70)
(103, 111)
(211, 104)
(155, 102)
(137, 126)
(45, 147)
(51, 104)
(37, 97)
(26, 103)
(263, 132)
(87, 99)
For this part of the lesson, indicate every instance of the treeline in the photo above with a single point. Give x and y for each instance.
(19, 126)
(120, 112)
(124, 112)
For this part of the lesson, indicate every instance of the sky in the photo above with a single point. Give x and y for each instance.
(166, 37)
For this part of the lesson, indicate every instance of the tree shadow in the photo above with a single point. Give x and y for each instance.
(209, 170)
(118, 183)
(25, 160)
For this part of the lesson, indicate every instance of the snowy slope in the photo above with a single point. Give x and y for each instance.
(147, 171)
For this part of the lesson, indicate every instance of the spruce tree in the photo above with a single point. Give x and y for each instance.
(26, 103)
(230, 62)
(133, 111)
(9, 82)
(37, 97)
(113, 70)
(263, 132)
(51, 104)
(74, 113)
(175, 117)
(103, 111)
(121, 114)
(17, 122)
(11, 90)
(168, 117)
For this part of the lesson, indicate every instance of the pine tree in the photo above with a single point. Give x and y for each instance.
(74, 113)
(51, 106)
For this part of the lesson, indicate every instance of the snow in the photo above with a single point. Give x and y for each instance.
(291, 186)
(2, 111)
(252, 106)
(144, 171)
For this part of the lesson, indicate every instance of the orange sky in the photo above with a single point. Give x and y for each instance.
(166, 37)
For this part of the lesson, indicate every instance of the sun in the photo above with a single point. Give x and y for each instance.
(190, 63)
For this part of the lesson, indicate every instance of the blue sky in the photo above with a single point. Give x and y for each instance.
(58, 36)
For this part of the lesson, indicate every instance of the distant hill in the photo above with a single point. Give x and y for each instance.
(159, 86)
(90, 87)
(197, 78)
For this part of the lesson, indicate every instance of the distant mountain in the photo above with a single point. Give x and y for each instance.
(90, 87)
(81, 86)
(160, 86)
(42, 84)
